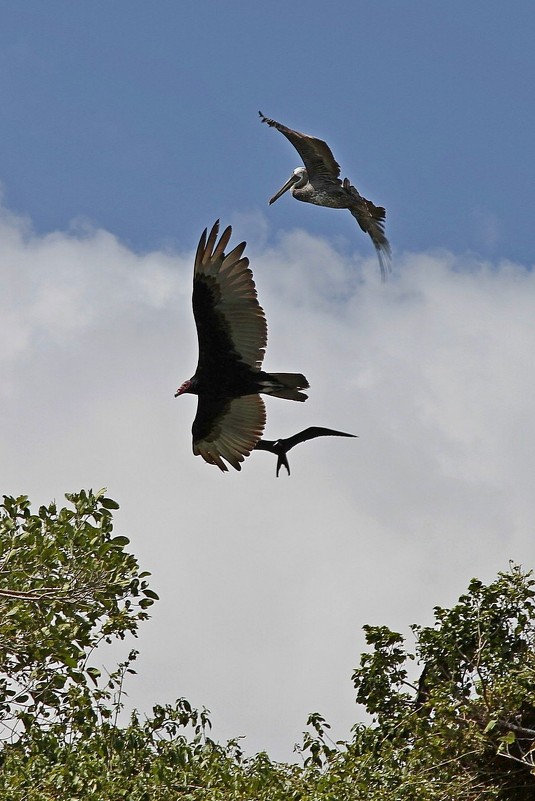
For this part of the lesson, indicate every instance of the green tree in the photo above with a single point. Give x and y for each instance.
(452, 718)
(469, 722)
(66, 586)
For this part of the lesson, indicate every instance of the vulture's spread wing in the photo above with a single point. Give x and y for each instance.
(227, 429)
(316, 154)
(231, 325)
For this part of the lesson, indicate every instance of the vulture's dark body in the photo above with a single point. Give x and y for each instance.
(232, 336)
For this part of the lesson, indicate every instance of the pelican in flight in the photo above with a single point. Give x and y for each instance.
(319, 182)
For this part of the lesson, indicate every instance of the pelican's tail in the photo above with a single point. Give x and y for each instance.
(378, 213)
(371, 219)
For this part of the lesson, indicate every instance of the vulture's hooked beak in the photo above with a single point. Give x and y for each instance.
(185, 387)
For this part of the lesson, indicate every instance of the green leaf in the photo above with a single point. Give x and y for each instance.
(119, 541)
(94, 674)
(108, 503)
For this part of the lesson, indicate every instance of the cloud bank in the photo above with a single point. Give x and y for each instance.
(265, 583)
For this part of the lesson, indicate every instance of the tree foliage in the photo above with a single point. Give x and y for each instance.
(66, 586)
(451, 718)
(468, 723)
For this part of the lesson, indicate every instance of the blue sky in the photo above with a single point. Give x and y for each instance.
(145, 119)
(127, 129)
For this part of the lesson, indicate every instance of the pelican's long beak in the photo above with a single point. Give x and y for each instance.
(289, 183)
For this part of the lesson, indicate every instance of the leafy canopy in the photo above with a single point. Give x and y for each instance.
(451, 718)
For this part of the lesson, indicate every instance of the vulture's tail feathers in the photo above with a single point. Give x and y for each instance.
(286, 385)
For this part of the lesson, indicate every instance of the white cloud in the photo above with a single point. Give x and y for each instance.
(266, 582)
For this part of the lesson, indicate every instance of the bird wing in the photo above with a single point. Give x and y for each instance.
(316, 154)
(267, 445)
(371, 219)
(227, 429)
(311, 433)
(231, 325)
(280, 447)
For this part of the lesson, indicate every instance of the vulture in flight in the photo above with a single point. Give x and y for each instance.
(280, 447)
(232, 335)
(319, 182)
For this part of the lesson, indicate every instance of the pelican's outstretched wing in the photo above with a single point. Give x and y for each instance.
(316, 154)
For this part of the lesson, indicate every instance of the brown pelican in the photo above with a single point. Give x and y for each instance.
(280, 447)
(319, 182)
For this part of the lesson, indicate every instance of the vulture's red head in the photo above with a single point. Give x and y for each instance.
(187, 386)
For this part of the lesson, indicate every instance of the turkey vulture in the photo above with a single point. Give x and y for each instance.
(280, 447)
(232, 335)
(319, 182)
